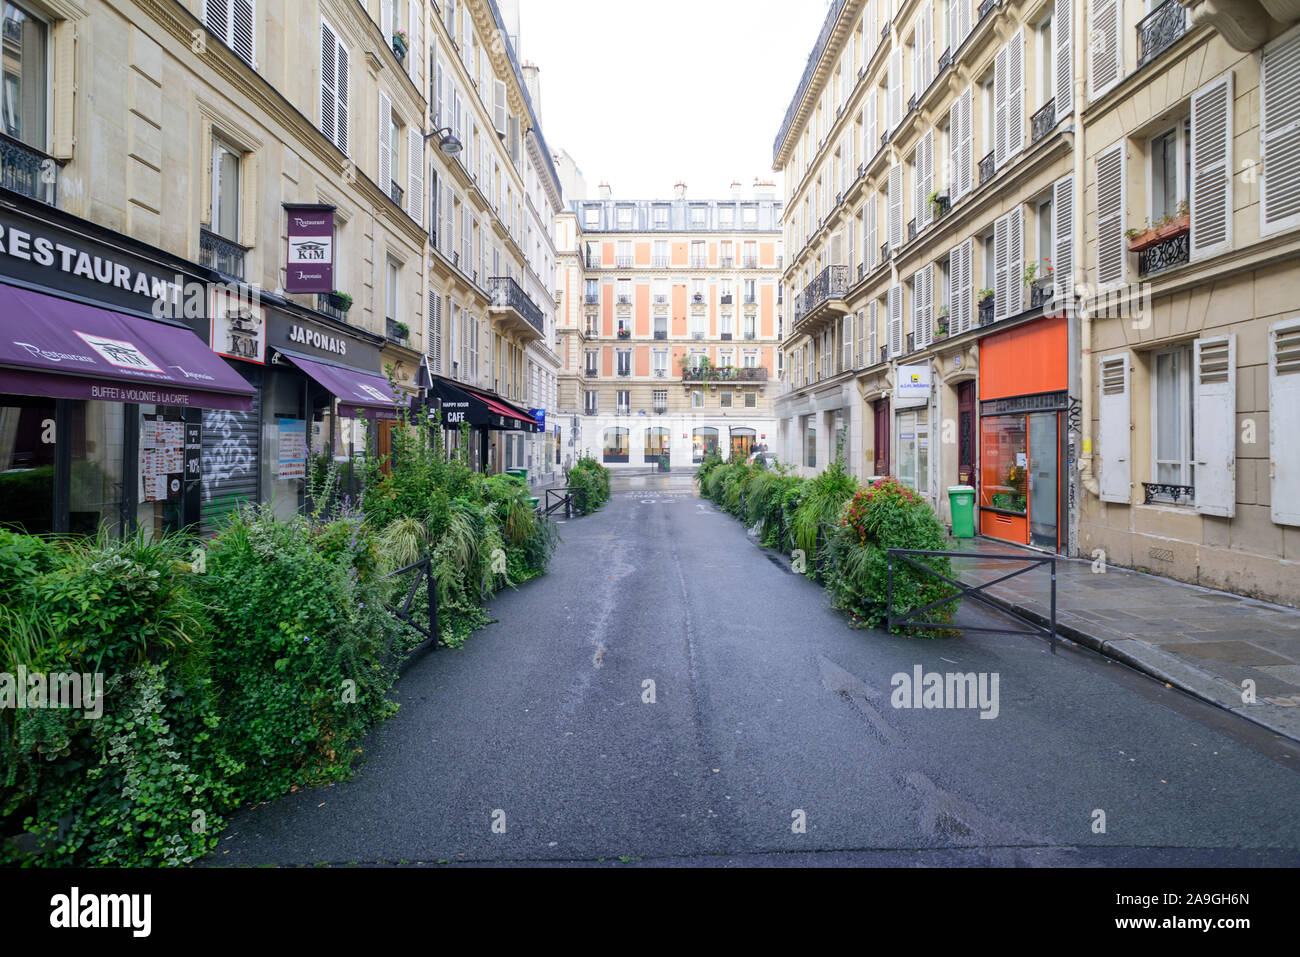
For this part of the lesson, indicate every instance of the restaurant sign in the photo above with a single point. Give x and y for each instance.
(309, 263)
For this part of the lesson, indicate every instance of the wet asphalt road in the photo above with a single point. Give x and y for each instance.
(767, 704)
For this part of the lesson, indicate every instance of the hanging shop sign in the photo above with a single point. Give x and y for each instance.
(540, 416)
(913, 386)
(238, 327)
(309, 261)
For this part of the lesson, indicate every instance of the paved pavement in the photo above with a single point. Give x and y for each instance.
(772, 735)
(1208, 643)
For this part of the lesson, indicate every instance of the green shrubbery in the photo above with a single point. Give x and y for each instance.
(236, 670)
(842, 532)
(590, 480)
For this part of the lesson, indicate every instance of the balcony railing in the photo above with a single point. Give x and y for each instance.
(1159, 30)
(751, 262)
(911, 230)
(986, 311)
(945, 58)
(659, 262)
(591, 300)
(506, 293)
(661, 410)
(988, 166)
(395, 193)
(325, 303)
(625, 333)
(590, 373)
(697, 335)
(699, 262)
(884, 252)
(832, 283)
(661, 300)
(28, 171)
(985, 7)
(623, 262)
(661, 333)
(727, 262)
(393, 331)
(1164, 492)
(624, 373)
(726, 336)
(1166, 254)
(726, 374)
(217, 252)
(661, 373)
(726, 300)
(1041, 123)
(625, 300)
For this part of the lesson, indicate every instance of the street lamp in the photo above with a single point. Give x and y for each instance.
(447, 141)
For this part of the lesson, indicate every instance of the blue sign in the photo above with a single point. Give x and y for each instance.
(540, 416)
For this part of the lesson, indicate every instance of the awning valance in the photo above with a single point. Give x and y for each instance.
(464, 404)
(69, 350)
(360, 394)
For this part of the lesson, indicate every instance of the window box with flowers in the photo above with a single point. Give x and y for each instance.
(1038, 277)
(1165, 228)
(400, 43)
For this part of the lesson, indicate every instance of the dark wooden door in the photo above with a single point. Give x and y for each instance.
(883, 432)
(966, 434)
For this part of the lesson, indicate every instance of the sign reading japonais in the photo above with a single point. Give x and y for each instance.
(309, 264)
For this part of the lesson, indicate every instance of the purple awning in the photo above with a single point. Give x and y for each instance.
(362, 394)
(68, 350)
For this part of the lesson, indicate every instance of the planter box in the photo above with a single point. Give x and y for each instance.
(1145, 240)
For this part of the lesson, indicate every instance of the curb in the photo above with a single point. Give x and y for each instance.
(1154, 663)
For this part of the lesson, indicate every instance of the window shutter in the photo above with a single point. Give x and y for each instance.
(448, 222)
(927, 50)
(956, 142)
(895, 303)
(433, 340)
(1015, 261)
(386, 19)
(1279, 83)
(895, 206)
(1000, 294)
(873, 336)
(923, 306)
(870, 239)
(861, 345)
(1000, 79)
(927, 184)
(385, 141)
(1063, 238)
(1106, 66)
(961, 276)
(415, 55)
(415, 174)
(1063, 55)
(499, 106)
(872, 135)
(329, 48)
(1114, 473)
(341, 110)
(1112, 257)
(243, 16)
(216, 16)
(1284, 421)
(1212, 168)
(953, 27)
(894, 78)
(1214, 426)
(963, 9)
(1016, 94)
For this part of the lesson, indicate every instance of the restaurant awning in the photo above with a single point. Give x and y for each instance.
(69, 350)
(464, 404)
(360, 394)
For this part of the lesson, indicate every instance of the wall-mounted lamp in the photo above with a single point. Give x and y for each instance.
(447, 142)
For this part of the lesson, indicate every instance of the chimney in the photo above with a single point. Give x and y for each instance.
(605, 191)
(679, 190)
(764, 189)
(736, 189)
(532, 84)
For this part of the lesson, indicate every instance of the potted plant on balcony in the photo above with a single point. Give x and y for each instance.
(402, 331)
(400, 43)
(941, 327)
(340, 301)
(939, 202)
(984, 296)
(625, 333)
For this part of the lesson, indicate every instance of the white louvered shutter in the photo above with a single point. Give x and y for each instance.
(1279, 206)
(895, 206)
(873, 334)
(1112, 257)
(386, 19)
(1214, 426)
(385, 141)
(415, 175)
(1063, 58)
(871, 239)
(927, 48)
(415, 56)
(499, 106)
(895, 303)
(343, 78)
(1063, 238)
(243, 34)
(926, 150)
(1000, 99)
(1114, 472)
(953, 27)
(436, 67)
(433, 341)
(860, 347)
(1105, 64)
(923, 307)
(871, 133)
(961, 302)
(329, 49)
(1284, 421)
(1015, 105)
(1000, 294)
(894, 77)
(216, 16)
(448, 222)
(1015, 261)
(1212, 168)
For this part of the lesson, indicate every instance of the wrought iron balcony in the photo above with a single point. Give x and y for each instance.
(1166, 254)
(661, 333)
(661, 409)
(985, 7)
(507, 295)
(986, 311)
(217, 252)
(395, 193)
(1159, 30)
(1042, 122)
(697, 335)
(945, 58)
(1164, 492)
(28, 171)
(727, 299)
(625, 333)
(751, 262)
(726, 337)
(659, 262)
(623, 262)
(327, 304)
(625, 300)
(699, 262)
(831, 284)
(988, 166)
(661, 373)
(1040, 291)
(591, 300)
(394, 331)
(727, 262)
(726, 374)
(911, 103)
(624, 373)
(911, 230)
(697, 299)
(590, 373)
(661, 300)
(623, 410)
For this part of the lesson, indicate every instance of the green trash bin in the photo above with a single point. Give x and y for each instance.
(962, 499)
(521, 474)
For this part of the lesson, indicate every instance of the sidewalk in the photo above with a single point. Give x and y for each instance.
(1201, 641)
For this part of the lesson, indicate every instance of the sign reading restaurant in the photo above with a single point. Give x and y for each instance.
(309, 264)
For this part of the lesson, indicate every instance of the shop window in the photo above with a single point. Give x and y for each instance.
(656, 443)
(704, 442)
(914, 449)
(1004, 460)
(27, 437)
(810, 447)
(616, 445)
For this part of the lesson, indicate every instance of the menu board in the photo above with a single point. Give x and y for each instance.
(162, 459)
(293, 449)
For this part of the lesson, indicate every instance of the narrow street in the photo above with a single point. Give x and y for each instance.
(767, 704)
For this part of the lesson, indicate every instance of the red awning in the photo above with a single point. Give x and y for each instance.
(502, 408)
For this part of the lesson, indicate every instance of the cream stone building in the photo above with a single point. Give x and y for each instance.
(671, 318)
(1193, 237)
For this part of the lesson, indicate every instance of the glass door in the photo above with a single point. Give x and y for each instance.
(1044, 479)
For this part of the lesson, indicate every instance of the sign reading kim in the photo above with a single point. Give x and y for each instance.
(309, 265)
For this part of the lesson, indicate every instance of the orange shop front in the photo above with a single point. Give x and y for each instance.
(1024, 399)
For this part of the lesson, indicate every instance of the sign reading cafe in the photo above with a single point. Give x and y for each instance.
(309, 263)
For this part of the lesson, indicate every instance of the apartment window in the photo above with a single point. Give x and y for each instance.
(1045, 55)
(698, 328)
(751, 256)
(699, 256)
(625, 363)
(726, 217)
(1171, 417)
(699, 217)
(625, 217)
(661, 291)
(591, 402)
(751, 291)
(225, 189)
(661, 365)
(390, 291)
(751, 400)
(1043, 228)
(591, 219)
(623, 254)
(749, 215)
(23, 105)
(661, 222)
(660, 254)
(624, 291)
(1170, 170)
(749, 360)
(724, 399)
(590, 364)
(624, 402)
(810, 444)
(697, 399)
(232, 22)
(661, 401)
(592, 294)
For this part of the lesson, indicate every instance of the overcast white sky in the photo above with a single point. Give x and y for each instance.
(645, 92)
